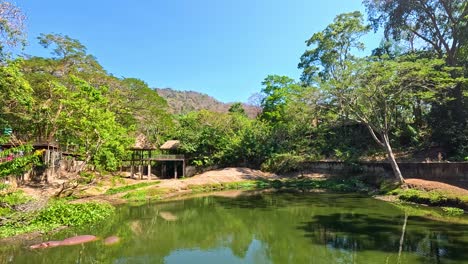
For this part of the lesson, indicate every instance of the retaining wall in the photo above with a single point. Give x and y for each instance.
(448, 172)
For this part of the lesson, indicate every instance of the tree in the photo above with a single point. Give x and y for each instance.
(88, 124)
(255, 100)
(441, 27)
(15, 96)
(12, 26)
(70, 55)
(366, 91)
(382, 91)
(16, 101)
(440, 24)
(237, 108)
(333, 47)
(148, 108)
(276, 94)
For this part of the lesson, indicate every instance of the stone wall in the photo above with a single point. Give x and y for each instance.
(448, 172)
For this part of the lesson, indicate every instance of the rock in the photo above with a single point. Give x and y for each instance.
(167, 216)
(66, 242)
(46, 244)
(111, 240)
(78, 240)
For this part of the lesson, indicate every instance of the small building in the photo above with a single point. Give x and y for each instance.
(172, 162)
(145, 157)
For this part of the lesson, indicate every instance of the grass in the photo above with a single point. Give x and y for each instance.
(339, 185)
(433, 198)
(14, 198)
(126, 188)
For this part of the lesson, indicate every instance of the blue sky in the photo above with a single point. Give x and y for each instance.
(224, 48)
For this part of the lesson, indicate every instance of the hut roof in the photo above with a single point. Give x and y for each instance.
(170, 144)
(141, 142)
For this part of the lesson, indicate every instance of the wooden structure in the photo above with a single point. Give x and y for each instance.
(142, 152)
(170, 155)
(145, 155)
(51, 156)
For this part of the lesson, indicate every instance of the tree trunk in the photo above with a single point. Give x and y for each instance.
(391, 159)
(402, 237)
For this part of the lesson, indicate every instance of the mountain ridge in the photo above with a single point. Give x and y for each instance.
(182, 102)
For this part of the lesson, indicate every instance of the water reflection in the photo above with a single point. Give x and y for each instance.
(262, 228)
(429, 241)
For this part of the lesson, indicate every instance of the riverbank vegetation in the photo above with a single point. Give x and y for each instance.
(20, 213)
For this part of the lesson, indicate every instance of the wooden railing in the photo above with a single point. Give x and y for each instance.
(168, 157)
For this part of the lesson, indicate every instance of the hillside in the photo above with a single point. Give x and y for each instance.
(181, 102)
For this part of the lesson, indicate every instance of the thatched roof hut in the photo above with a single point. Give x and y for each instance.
(170, 145)
(142, 142)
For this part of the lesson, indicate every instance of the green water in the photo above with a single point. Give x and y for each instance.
(261, 228)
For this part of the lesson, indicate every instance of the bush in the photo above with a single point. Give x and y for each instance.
(434, 198)
(61, 213)
(56, 214)
(283, 163)
(452, 211)
(14, 198)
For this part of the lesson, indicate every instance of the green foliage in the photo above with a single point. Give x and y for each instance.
(57, 213)
(237, 108)
(14, 198)
(60, 213)
(18, 160)
(435, 198)
(131, 187)
(333, 47)
(210, 138)
(452, 211)
(139, 195)
(443, 37)
(92, 126)
(148, 109)
(333, 184)
(277, 91)
(283, 163)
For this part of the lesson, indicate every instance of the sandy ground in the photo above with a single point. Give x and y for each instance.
(217, 176)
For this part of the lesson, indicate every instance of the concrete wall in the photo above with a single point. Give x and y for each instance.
(448, 172)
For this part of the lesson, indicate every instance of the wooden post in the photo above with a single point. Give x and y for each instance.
(175, 169)
(52, 163)
(140, 171)
(149, 170)
(183, 168)
(132, 163)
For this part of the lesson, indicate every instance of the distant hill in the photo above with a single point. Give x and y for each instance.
(182, 102)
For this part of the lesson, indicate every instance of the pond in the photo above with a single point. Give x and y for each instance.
(281, 227)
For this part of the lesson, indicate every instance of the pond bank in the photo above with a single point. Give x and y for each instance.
(234, 179)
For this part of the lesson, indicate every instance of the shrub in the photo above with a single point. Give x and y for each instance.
(61, 213)
(14, 198)
(283, 163)
(452, 211)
